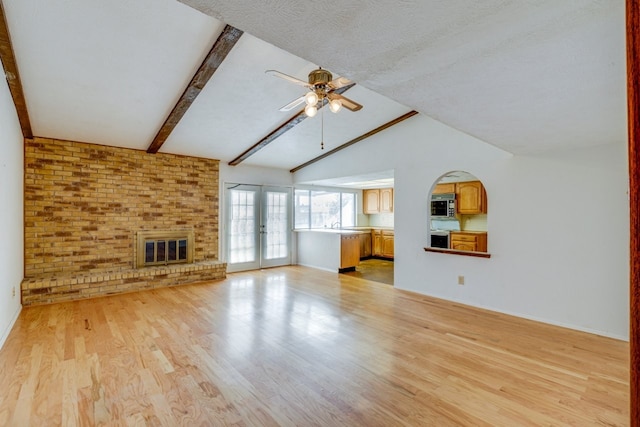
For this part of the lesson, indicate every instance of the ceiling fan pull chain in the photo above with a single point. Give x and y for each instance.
(322, 126)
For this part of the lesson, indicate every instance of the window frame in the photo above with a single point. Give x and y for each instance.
(340, 192)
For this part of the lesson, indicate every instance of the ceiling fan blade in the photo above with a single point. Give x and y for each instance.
(287, 77)
(339, 82)
(346, 102)
(293, 104)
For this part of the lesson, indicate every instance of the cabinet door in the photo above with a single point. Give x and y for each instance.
(447, 188)
(387, 246)
(371, 202)
(470, 197)
(365, 245)
(386, 200)
(463, 246)
(350, 251)
(377, 242)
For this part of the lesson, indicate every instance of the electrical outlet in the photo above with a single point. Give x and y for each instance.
(460, 280)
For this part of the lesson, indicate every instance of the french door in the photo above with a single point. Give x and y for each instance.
(258, 226)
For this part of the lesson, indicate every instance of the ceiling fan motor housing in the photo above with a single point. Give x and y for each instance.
(320, 77)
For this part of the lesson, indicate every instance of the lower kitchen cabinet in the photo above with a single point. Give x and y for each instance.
(349, 251)
(382, 243)
(376, 242)
(365, 245)
(468, 241)
(387, 244)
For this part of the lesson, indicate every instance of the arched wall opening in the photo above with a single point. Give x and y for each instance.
(458, 212)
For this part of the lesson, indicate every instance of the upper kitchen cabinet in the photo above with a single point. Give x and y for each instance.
(471, 198)
(386, 200)
(378, 200)
(371, 201)
(447, 188)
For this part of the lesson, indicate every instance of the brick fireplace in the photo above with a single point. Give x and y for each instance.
(86, 204)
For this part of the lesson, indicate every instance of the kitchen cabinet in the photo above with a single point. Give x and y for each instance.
(383, 245)
(387, 244)
(468, 241)
(376, 242)
(386, 200)
(447, 188)
(377, 200)
(471, 198)
(371, 201)
(365, 245)
(349, 251)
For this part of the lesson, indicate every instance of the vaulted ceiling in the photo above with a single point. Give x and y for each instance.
(525, 76)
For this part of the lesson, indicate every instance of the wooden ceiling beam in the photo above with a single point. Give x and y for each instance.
(280, 130)
(633, 108)
(357, 139)
(221, 48)
(13, 76)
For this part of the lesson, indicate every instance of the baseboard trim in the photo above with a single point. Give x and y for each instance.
(7, 331)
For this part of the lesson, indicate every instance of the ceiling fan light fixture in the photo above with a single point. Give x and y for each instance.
(335, 105)
(310, 110)
(311, 98)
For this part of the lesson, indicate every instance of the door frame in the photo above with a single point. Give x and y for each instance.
(224, 226)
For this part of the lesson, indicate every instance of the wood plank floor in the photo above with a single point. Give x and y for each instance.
(297, 346)
(374, 269)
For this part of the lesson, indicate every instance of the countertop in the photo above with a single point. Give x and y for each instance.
(330, 230)
(349, 230)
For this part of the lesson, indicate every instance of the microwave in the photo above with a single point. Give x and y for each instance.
(443, 206)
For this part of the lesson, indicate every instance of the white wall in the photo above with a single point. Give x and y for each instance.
(11, 215)
(319, 249)
(558, 224)
(243, 174)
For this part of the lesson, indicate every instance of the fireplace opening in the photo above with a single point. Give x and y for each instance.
(164, 247)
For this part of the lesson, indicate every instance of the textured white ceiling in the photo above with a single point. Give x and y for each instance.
(106, 72)
(240, 105)
(526, 76)
(523, 75)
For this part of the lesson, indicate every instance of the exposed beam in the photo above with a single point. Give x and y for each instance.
(221, 48)
(633, 105)
(280, 130)
(13, 77)
(358, 139)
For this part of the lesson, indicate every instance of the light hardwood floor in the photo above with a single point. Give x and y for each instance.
(297, 346)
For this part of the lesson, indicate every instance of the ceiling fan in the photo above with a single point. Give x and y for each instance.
(322, 89)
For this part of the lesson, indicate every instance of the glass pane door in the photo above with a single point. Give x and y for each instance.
(258, 227)
(242, 227)
(276, 227)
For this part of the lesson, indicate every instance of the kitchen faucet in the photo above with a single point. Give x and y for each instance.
(337, 223)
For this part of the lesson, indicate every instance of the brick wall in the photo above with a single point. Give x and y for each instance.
(84, 203)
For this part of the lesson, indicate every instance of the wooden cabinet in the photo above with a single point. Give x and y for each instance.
(471, 198)
(376, 242)
(371, 201)
(387, 244)
(365, 245)
(468, 241)
(386, 200)
(447, 188)
(377, 200)
(349, 250)
(383, 245)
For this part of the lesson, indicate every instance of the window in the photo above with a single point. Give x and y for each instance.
(324, 209)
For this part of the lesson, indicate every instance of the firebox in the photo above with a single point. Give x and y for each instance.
(159, 247)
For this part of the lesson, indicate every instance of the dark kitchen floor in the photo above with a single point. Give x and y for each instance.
(377, 270)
